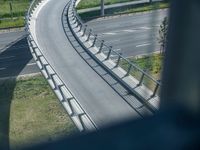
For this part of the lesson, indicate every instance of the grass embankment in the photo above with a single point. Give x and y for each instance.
(144, 7)
(152, 64)
(15, 17)
(10, 23)
(31, 112)
(94, 3)
(126, 9)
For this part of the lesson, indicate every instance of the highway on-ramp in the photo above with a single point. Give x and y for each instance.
(99, 100)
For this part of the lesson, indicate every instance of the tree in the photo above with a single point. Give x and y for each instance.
(163, 34)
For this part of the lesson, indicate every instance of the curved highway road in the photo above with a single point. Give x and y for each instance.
(99, 100)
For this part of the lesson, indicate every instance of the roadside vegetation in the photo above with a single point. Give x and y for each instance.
(152, 64)
(12, 12)
(144, 7)
(10, 23)
(31, 113)
(126, 9)
(94, 3)
(163, 31)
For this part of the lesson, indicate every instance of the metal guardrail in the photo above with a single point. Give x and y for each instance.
(66, 97)
(109, 51)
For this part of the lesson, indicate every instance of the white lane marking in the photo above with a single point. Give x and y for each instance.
(106, 51)
(144, 44)
(114, 57)
(111, 41)
(119, 49)
(157, 25)
(2, 68)
(7, 57)
(145, 28)
(109, 33)
(31, 64)
(129, 30)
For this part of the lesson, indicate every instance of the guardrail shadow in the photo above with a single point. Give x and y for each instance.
(12, 61)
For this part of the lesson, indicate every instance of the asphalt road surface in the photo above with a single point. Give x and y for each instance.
(99, 100)
(15, 56)
(131, 35)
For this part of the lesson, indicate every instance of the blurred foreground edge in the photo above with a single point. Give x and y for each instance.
(177, 125)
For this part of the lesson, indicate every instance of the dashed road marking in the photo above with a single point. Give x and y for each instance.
(116, 40)
(144, 44)
(119, 49)
(109, 33)
(31, 64)
(116, 50)
(129, 30)
(2, 58)
(145, 28)
(2, 68)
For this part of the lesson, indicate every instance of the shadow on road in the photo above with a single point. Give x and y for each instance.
(12, 62)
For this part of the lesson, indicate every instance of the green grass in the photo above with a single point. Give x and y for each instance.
(152, 64)
(9, 23)
(19, 8)
(94, 3)
(126, 10)
(145, 7)
(32, 112)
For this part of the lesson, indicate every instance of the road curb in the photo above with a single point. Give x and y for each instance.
(21, 76)
(12, 29)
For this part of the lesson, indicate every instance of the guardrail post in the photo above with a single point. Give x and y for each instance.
(84, 30)
(78, 23)
(73, 14)
(45, 68)
(90, 32)
(108, 56)
(101, 47)
(155, 90)
(81, 25)
(141, 79)
(118, 61)
(79, 116)
(39, 59)
(74, 19)
(129, 70)
(61, 92)
(95, 39)
(74, 3)
(54, 82)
